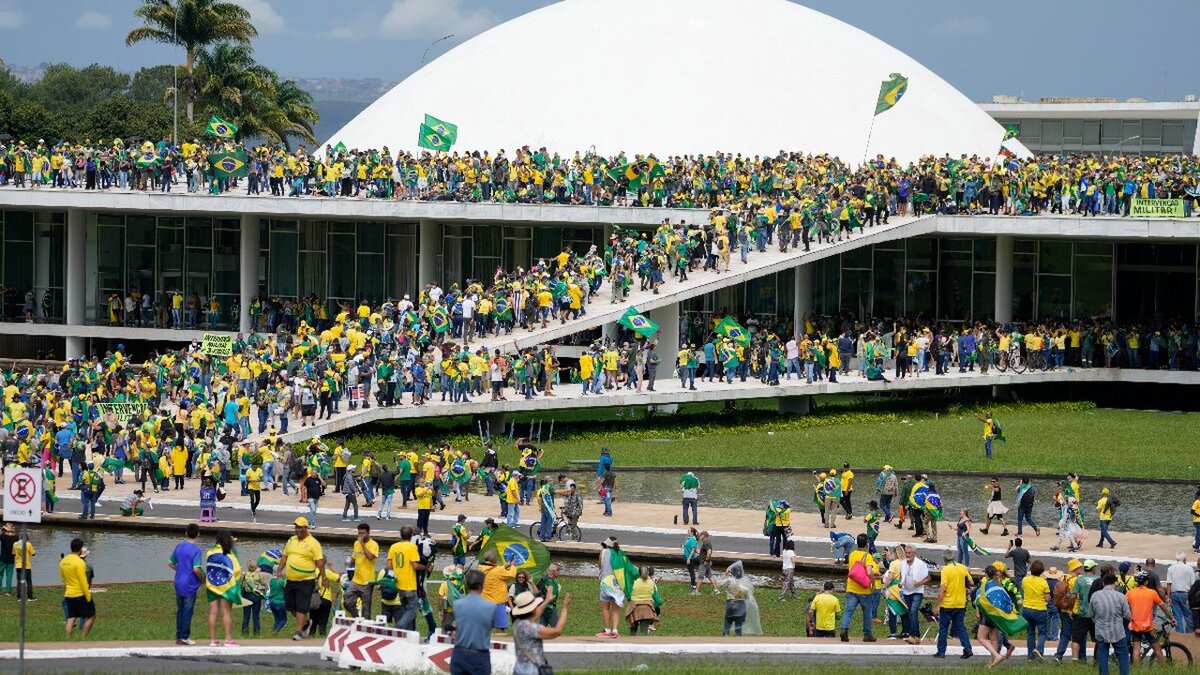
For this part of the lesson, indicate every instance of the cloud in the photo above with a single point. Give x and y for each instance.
(423, 18)
(11, 17)
(93, 20)
(961, 27)
(263, 16)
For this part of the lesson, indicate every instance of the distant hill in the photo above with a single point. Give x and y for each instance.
(339, 101)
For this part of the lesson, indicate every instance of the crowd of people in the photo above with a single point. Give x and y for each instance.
(1084, 184)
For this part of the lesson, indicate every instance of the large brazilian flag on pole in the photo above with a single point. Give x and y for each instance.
(430, 139)
(638, 323)
(513, 547)
(446, 130)
(890, 92)
(733, 330)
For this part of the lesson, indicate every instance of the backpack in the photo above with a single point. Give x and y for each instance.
(375, 471)
(1063, 598)
(1027, 498)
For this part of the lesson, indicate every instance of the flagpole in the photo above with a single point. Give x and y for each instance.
(870, 131)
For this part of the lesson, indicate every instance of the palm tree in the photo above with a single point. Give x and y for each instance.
(193, 25)
(296, 105)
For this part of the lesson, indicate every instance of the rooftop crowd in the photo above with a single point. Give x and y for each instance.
(1079, 183)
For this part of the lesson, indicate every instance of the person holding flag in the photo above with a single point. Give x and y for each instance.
(997, 614)
(222, 583)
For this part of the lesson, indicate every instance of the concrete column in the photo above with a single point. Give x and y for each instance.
(1004, 278)
(429, 248)
(795, 405)
(249, 256)
(804, 293)
(667, 319)
(76, 278)
(609, 331)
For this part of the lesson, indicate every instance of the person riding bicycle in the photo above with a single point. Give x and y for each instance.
(572, 503)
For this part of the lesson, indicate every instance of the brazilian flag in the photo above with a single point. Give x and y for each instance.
(624, 572)
(339, 149)
(524, 553)
(998, 605)
(430, 139)
(146, 158)
(220, 128)
(503, 310)
(638, 323)
(271, 558)
(635, 173)
(933, 504)
(223, 575)
(733, 330)
(895, 601)
(229, 164)
(446, 130)
(890, 92)
(112, 464)
(440, 320)
(1011, 131)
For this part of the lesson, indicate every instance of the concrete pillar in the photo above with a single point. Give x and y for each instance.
(429, 249)
(1004, 279)
(795, 405)
(667, 319)
(249, 256)
(804, 293)
(76, 278)
(609, 331)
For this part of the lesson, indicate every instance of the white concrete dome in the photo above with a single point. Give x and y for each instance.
(678, 77)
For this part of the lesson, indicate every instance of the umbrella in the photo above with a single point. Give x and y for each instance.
(5, 138)
(133, 140)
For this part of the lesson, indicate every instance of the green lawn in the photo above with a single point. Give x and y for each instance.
(929, 433)
(146, 611)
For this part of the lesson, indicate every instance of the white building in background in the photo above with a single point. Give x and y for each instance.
(671, 77)
(1101, 125)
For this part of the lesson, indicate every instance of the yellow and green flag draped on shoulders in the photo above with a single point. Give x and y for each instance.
(638, 322)
(890, 92)
(733, 330)
(223, 575)
(513, 547)
(995, 602)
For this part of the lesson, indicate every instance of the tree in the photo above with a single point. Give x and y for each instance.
(296, 107)
(235, 87)
(194, 25)
(70, 89)
(153, 84)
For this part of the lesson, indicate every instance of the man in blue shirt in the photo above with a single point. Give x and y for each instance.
(187, 582)
(474, 619)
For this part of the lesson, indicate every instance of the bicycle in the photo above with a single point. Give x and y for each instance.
(1011, 359)
(562, 530)
(1174, 654)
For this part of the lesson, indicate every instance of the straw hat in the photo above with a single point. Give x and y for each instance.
(525, 603)
(1053, 573)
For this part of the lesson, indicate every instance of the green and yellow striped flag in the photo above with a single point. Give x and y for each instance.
(220, 128)
(430, 139)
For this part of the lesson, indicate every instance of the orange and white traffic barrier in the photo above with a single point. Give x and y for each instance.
(340, 629)
(377, 648)
(440, 648)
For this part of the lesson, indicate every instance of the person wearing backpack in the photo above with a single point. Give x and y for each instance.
(370, 472)
(1026, 494)
(1064, 602)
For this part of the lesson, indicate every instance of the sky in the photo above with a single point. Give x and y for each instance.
(1032, 48)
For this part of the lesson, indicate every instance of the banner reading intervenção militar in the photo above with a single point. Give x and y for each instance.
(217, 345)
(1155, 208)
(123, 410)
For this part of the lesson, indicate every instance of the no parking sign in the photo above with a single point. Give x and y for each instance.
(22, 495)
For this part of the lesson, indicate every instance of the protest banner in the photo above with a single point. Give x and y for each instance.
(217, 345)
(1155, 208)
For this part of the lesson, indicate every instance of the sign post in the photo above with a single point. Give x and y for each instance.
(22, 504)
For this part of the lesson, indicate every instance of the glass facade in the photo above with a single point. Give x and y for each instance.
(1148, 136)
(475, 251)
(33, 264)
(335, 260)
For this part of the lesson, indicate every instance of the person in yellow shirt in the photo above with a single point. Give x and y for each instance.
(823, 611)
(23, 562)
(512, 497)
(950, 606)
(404, 561)
(1036, 607)
(1105, 506)
(77, 591)
(495, 585)
(424, 495)
(254, 482)
(303, 567)
(860, 594)
(847, 490)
